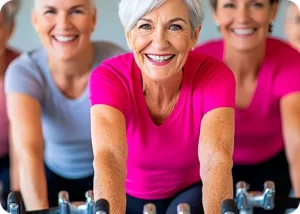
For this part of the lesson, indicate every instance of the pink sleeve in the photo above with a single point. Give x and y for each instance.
(288, 78)
(106, 88)
(220, 90)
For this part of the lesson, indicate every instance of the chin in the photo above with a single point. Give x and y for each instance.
(65, 57)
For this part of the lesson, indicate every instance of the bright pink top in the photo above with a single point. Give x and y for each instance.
(258, 134)
(10, 55)
(162, 160)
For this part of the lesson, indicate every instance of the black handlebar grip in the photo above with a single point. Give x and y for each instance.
(229, 207)
(102, 206)
(15, 203)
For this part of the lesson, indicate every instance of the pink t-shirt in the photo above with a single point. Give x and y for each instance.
(10, 55)
(162, 160)
(258, 134)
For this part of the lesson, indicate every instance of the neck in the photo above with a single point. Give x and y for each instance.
(76, 67)
(244, 64)
(162, 92)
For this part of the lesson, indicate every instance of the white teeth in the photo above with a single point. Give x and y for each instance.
(64, 38)
(244, 31)
(160, 58)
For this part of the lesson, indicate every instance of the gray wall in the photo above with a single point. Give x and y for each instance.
(109, 28)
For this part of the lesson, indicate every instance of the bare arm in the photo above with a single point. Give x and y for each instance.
(290, 114)
(14, 167)
(215, 155)
(25, 117)
(110, 155)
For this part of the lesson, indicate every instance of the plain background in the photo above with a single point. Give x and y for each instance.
(109, 27)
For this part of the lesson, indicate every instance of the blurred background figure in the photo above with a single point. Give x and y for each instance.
(267, 112)
(7, 24)
(292, 25)
(48, 106)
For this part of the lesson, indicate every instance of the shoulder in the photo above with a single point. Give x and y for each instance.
(120, 66)
(284, 57)
(106, 50)
(27, 59)
(27, 64)
(280, 50)
(212, 48)
(207, 67)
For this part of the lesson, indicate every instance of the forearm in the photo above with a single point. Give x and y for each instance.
(295, 175)
(109, 183)
(14, 176)
(33, 183)
(14, 167)
(217, 186)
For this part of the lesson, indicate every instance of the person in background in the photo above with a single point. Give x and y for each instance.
(292, 25)
(48, 106)
(267, 112)
(162, 117)
(8, 163)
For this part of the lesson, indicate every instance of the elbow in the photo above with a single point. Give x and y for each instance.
(109, 161)
(213, 166)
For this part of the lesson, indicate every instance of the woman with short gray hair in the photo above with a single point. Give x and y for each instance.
(52, 134)
(159, 112)
(7, 164)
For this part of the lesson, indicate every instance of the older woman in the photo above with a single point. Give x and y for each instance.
(268, 94)
(160, 110)
(292, 25)
(48, 102)
(7, 22)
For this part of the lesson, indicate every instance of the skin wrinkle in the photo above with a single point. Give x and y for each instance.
(215, 154)
(110, 154)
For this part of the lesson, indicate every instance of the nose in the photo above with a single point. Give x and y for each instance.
(160, 39)
(63, 21)
(242, 15)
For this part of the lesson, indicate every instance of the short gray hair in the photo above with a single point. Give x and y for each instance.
(130, 11)
(36, 4)
(10, 10)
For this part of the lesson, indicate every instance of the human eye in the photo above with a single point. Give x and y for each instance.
(175, 27)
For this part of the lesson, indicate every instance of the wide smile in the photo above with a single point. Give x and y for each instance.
(65, 39)
(244, 32)
(160, 59)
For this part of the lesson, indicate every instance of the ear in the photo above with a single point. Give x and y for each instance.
(94, 19)
(274, 10)
(11, 30)
(195, 35)
(128, 38)
(34, 19)
(214, 14)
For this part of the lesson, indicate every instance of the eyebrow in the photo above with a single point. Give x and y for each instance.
(170, 21)
(72, 8)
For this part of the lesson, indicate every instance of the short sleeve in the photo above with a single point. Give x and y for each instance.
(105, 87)
(23, 76)
(287, 79)
(220, 89)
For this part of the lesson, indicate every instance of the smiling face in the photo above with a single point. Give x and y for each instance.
(292, 26)
(64, 27)
(162, 39)
(244, 24)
